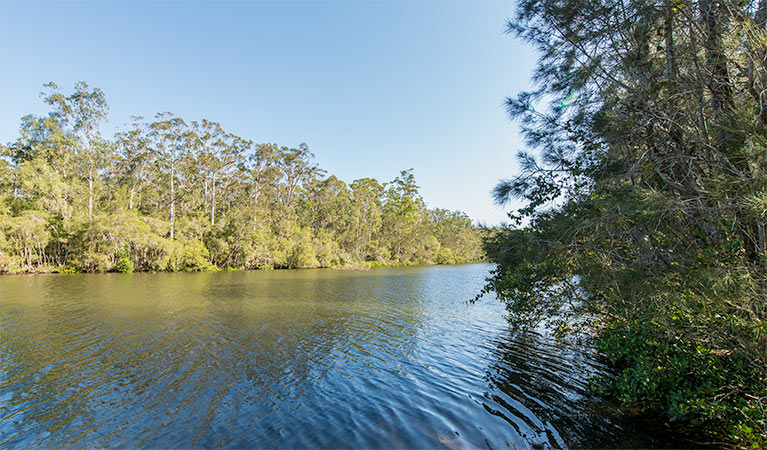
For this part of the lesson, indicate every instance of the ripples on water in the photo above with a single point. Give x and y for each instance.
(314, 358)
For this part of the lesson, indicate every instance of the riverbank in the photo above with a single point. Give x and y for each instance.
(351, 266)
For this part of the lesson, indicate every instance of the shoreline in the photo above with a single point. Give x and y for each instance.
(353, 267)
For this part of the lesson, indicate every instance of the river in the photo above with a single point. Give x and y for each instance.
(390, 357)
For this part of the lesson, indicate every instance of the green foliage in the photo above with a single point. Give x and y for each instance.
(167, 194)
(27, 236)
(125, 265)
(6, 262)
(683, 379)
(194, 257)
(645, 215)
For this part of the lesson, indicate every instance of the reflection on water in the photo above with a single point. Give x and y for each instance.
(313, 358)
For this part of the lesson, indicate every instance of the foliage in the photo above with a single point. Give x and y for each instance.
(645, 213)
(170, 194)
(125, 264)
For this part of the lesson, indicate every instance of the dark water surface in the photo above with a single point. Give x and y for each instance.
(311, 358)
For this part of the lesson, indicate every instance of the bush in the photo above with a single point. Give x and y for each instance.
(194, 257)
(6, 262)
(664, 372)
(124, 265)
(445, 256)
(685, 346)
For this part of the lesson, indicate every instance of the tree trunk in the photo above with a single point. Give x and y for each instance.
(172, 202)
(668, 31)
(713, 17)
(761, 21)
(205, 194)
(213, 202)
(90, 193)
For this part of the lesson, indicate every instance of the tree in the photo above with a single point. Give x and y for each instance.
(82, 112)
(28, 235)
(263, 172)
(219, 155)
(296, 167)
(166, 196)
(459, 241)
(644, 213)
(403, 217)
(134, 157)
(327, 206)
(170, 147)
(367, 211)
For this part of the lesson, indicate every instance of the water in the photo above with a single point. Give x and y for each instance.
(298, 359)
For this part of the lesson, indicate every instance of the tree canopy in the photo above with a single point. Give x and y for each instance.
(645, 211)
(170, 194)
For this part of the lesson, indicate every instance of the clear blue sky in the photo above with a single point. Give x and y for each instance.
(373, 87)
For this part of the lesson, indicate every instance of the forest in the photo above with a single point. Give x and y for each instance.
(645, 203)
(172, 195)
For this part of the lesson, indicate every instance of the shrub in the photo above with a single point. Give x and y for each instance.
(124, 265)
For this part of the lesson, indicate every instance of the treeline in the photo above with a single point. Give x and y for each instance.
(646, 201)
(169, 195)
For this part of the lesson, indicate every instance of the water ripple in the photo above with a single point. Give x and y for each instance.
(296, 359)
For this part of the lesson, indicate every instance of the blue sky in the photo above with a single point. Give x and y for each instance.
(373, 87)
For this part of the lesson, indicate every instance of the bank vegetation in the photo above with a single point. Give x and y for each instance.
(167, 194)
(645, 201)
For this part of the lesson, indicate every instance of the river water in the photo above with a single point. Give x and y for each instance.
(390, 357)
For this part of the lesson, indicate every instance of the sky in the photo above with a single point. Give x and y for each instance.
(372, 87)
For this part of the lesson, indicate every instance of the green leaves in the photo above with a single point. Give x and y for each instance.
(167, 194)
(647, 196)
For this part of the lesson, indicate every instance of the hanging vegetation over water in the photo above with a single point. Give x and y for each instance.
(645, 199)
(167, 194)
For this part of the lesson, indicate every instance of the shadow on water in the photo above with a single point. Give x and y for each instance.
(540, 385)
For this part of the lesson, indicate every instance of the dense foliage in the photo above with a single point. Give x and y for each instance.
(645, 201)
(170, 195)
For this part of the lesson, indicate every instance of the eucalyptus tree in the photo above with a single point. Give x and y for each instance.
(45, 138)
(208, 137)
(28, 236)
(17, 153)
(219, 154)
(227, 164)
(328, 207)
(404, 213)
(82, 112)
(263, 172)
(134, 157)
(183, 198)
(296, 167)
(42, 160)
(8, 177)
(367, 212)
(457, 236)
(170, 146)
